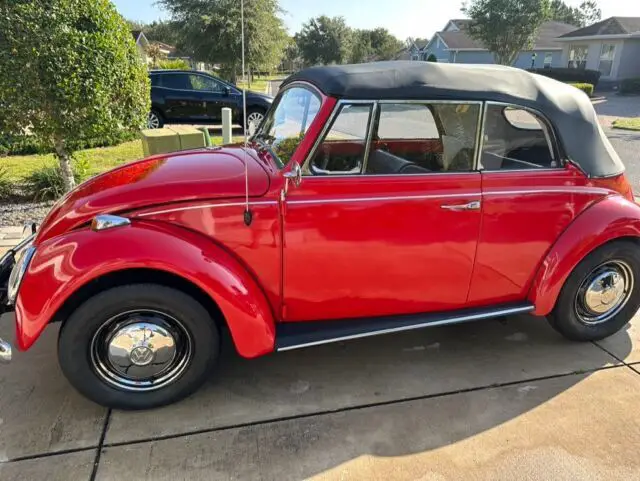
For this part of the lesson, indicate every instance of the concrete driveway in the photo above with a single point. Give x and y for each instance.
(485, 401)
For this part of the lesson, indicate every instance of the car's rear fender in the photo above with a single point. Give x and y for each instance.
(65, 264)
(612, 218)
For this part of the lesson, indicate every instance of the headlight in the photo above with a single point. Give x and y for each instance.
(18, 273)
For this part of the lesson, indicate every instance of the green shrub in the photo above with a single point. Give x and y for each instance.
(70, 74)
(570, 75)
(630, 86)
(432, 58)
(586, 88)
(30, 144)
(174, 64)
(47, 183)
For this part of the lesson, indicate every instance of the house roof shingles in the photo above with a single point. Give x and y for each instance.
(546, 39)
(610, 26)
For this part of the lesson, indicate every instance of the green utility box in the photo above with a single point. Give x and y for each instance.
(172, 139)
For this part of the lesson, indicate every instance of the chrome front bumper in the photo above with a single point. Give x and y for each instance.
(7, 263)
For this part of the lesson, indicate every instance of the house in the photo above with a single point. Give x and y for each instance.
(454, 44)
(611, 46)
(142, 44)
(414, 51)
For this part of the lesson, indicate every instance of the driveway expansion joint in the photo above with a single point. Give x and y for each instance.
(96, 462)
(328, 412)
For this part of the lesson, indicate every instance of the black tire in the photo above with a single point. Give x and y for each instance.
(160, 119)
(576, 322)
(77, 347)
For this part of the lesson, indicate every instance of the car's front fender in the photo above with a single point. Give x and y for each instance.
(64, 264)
(610, 219)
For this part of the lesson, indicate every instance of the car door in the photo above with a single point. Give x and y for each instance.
(215, 94)
(369, 232)
(529, 198)
(182, 102)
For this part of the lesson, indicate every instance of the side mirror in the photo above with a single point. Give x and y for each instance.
(294, 175)
(227, 90)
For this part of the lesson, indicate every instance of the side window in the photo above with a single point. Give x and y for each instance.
(205, 84)
(423, 138)
(175, 81)
(342, 151)
(516, 139)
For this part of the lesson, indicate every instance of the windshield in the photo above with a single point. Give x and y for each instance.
(288, 121)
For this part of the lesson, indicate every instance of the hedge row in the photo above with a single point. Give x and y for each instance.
(586, 88)
(30, 144)
(570, 75)
(630, 86)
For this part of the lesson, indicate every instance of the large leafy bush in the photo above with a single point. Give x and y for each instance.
(70, 75)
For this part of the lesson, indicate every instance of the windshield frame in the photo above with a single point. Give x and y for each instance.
(271, 115)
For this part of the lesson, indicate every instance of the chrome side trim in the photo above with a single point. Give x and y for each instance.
(105, 221)
(206, 206)
(373, 199)
(563, 190)
(454, 320)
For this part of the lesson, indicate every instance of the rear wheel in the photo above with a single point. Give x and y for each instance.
(255, 116)
(601, 295)
(138, 346)
(155, 120)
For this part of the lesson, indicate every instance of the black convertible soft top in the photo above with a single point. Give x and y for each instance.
(569, 110)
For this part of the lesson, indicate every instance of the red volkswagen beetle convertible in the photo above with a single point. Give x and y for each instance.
(373, 198)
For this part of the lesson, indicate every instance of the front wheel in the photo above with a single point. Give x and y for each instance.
(138, 346)
(601, 295)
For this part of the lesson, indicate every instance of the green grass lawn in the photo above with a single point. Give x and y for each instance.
(19, 167)
(259, 83)
(627, 124)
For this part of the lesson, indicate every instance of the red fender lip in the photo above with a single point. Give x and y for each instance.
(612, 218)
(65, 263)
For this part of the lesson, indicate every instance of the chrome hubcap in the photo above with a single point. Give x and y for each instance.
(604, 292)
(153, 122)
(141, 350)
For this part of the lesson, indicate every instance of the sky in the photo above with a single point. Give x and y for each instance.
(404, 18)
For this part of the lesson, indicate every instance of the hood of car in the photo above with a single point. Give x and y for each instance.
(160, 180)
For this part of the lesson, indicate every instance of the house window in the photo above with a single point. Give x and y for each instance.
(607, 54)
(548, 60)
(578, 56)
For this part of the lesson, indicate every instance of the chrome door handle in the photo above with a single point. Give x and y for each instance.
(475, 205)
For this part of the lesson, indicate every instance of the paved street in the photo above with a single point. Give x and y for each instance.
(484, 401)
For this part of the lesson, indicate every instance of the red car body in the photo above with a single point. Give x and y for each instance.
(333, 249)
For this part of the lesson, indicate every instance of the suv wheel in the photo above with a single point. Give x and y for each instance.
(155, 120)
(255, 117)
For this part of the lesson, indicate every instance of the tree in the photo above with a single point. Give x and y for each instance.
(432, 58)
(210, 31)
(154, 52)
(361, 48)
(587, 13)
(71, 74)
(385, 45)
(506, 27)
(325, 40)
(162, 31)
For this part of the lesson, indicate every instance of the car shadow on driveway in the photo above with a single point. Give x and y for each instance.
(299, 414)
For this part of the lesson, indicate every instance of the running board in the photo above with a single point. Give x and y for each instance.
(296, 335)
